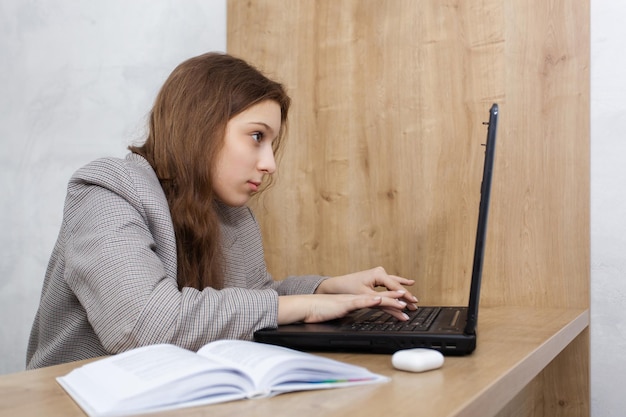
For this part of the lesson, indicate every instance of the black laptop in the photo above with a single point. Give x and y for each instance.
(450, 330)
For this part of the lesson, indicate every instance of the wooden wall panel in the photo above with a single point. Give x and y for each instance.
(383, 160)
(384, 156)
(542, 246)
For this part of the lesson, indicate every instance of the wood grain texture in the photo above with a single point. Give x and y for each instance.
(510, 354)
(383, 160)
(384, 157)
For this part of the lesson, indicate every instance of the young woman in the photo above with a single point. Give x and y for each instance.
(160, 247)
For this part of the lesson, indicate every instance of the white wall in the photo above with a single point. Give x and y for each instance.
(78, 78)
(608, 208)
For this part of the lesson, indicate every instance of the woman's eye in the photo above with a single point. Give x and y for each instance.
(257, 136)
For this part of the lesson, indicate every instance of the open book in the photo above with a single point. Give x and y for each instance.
(161, 377)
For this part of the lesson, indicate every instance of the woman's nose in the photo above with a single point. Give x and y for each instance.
(267, 162)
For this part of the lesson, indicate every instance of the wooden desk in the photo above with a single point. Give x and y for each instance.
(514, 345)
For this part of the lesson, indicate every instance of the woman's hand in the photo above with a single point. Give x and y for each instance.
(335, 297)
(394, 299)
(316, 308)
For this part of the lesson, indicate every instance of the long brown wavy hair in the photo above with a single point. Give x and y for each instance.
(186, 133)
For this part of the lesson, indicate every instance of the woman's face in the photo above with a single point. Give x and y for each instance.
(247, 155)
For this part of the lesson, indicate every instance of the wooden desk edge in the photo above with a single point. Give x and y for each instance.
(488, 402)
(505, 388)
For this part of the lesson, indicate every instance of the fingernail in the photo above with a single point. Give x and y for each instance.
(402, 303)
(401, 292)
(406, 316)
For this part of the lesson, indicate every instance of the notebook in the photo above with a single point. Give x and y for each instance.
(450, 330)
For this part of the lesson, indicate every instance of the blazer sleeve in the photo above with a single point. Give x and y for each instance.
(120, 263)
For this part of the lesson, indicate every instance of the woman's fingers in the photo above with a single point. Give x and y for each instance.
(399, 314)
(401, 296)
(394, 283)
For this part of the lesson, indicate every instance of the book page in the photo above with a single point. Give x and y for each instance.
(276, 368)
(152, 377)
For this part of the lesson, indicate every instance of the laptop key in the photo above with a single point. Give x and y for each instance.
(376, 320)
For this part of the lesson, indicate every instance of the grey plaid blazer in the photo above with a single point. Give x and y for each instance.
(111, 281)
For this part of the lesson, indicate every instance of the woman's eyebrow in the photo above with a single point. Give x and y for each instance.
(265, 125)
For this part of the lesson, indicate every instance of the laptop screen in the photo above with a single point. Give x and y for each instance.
(483, 210)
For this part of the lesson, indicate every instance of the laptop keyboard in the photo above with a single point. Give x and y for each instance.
(377, 320)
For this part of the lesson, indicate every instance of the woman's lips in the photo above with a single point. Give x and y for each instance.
(254, 186)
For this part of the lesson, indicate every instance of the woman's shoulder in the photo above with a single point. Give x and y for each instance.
(128, 176)
(132, 164)
(112, 169)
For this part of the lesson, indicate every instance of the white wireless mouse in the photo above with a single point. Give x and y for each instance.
(417, 360)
